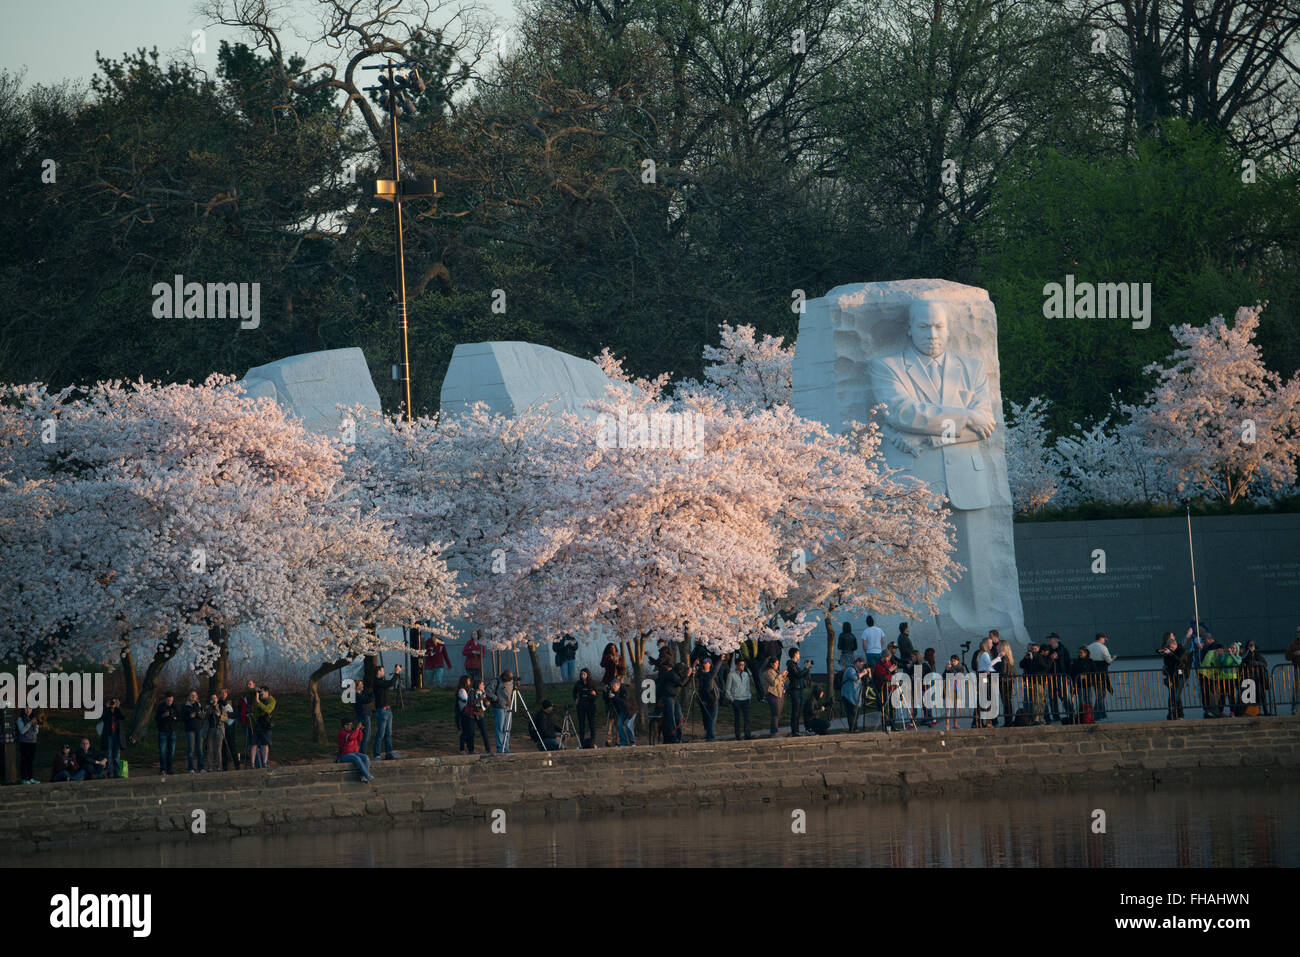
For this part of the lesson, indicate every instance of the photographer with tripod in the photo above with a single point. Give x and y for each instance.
(502, 696)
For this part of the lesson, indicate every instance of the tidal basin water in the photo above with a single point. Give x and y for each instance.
(1183, 827)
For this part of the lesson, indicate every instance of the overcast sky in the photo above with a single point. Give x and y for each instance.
(56, 40)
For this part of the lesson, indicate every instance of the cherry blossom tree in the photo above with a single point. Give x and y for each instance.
(1223, 423)
(180, 507)
(743, 370)
(861, 538)
(1033, 466)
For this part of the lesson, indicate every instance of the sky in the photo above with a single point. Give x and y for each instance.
(56, 40)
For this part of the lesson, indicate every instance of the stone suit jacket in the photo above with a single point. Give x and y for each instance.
(915, 418)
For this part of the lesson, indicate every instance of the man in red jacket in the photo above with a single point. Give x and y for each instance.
(436, 661)
(473, 652)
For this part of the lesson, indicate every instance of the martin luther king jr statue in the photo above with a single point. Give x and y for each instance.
(923, 354)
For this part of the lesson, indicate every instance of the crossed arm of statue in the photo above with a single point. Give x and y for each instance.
(907, 411)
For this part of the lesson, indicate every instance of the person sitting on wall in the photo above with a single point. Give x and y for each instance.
(92, 762)
(65, 767)
(350, 738)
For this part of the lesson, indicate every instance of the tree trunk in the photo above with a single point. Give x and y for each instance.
(416, 665)
(372, 663)
(143, 712)
(539, 683)
(220, 676)
(130, 680)
(830, 653)
(313, 697)
(638, 665)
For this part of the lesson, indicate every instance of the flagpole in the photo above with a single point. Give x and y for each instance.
(1196, 609)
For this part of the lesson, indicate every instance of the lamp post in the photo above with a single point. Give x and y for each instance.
(393, 89)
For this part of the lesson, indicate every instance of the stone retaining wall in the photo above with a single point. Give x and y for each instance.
(840, 767)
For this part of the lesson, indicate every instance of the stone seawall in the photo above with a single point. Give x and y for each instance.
(871, 766)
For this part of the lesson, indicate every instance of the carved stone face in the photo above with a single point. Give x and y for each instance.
(928, 327)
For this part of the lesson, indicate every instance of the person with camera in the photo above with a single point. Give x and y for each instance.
(476, 705)
(1176, 664)
(797, 677)
(674, 678)
(1056, 679)
(502, 696)
(851, 690)
(110, 737)
(362, 701)
(350, 749)
(882, 680)
(1254, 667)
(214, 731)
(611, 660)
(28, 727)
(263, 723)
(547, 734)
(585, 694)
(950, 716)
(816, 715)
(709, 696)
(192, 715)
(384, 711)
(65, 766)
(740, 692)
(773, 682)
(167, 716)
(565, 648)
(617, 704)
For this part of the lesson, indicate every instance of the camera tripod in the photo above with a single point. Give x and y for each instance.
(516, 699)
(569, 730)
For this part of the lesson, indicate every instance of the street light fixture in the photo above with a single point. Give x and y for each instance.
(392, 89)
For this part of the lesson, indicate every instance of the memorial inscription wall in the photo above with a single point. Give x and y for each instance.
(1132, 579)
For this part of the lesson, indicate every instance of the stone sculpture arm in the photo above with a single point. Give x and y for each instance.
(909, 413)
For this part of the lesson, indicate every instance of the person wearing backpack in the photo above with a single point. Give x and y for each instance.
(475, 709)
(851, 690)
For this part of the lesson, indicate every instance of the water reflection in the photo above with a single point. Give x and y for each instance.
(1222, 827)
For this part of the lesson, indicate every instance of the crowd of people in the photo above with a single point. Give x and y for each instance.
(1049, 683)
